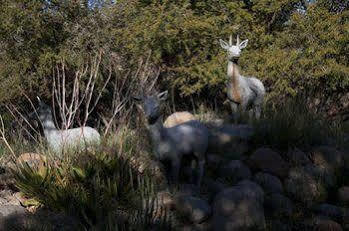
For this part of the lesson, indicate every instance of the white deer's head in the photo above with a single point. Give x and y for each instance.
(151, 105)
(233, 50)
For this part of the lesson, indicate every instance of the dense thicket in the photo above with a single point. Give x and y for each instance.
(295, 46)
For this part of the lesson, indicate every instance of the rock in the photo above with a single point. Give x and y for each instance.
(178, 118)
(214, 161)
(269, 183)
(296, 157)
(304, 187)
(195, 209)
(327, 157)
(33, 160)
(267, 160)
(204, 226)
(343, 195)
(323, 175)
(10, 210)
(188, 190)
(279, 205)
(12, 217)
(213, 187)
(226, 138)
(327, 225)
(251, 190)
(330, 211)
(166, 200)
(239, 208)
(235, 171)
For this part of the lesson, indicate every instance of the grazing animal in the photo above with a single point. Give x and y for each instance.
(59, 140)
(171, 144)
(178, 118)
(246, 92)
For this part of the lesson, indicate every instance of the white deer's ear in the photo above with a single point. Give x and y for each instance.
(224, 44)
(243, 44)
(163, 95)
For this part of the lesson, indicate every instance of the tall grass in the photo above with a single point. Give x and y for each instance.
(293, 124)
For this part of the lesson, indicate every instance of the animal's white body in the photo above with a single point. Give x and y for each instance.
(171, 144)
(59, 140)
(246, 92)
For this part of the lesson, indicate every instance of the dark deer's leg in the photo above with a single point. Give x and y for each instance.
(175, 165)
(234, 109)
(257, 111)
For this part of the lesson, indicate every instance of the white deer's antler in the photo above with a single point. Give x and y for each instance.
(237, 40)
(231, 40)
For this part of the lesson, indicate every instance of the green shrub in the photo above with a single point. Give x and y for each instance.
(100, 188)
(292, 124)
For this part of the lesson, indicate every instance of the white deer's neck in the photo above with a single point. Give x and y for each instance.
(48, 125)
(156, 131)
(233, 73)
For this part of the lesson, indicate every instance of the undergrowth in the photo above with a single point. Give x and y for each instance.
(293, 124)
(99, 187)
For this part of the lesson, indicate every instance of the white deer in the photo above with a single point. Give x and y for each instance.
(171, 144)
(59, 140)
(246, 92)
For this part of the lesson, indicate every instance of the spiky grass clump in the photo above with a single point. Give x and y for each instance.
(293, 124)
(101, 188)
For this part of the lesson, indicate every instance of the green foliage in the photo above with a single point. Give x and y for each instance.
(294, 46)
(101, 189)
(292, 124)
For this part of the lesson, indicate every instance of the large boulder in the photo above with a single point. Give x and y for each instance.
(178, 118)
(269, 183)
(304, 187)
(239, 208)
(267, 160)
(12, 216)
(235, 171)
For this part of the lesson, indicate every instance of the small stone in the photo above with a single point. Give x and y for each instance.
(196, 209)
(328, 225)
(343, 195)
(165, 199)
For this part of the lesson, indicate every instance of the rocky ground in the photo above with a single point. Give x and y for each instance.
(244, 188)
